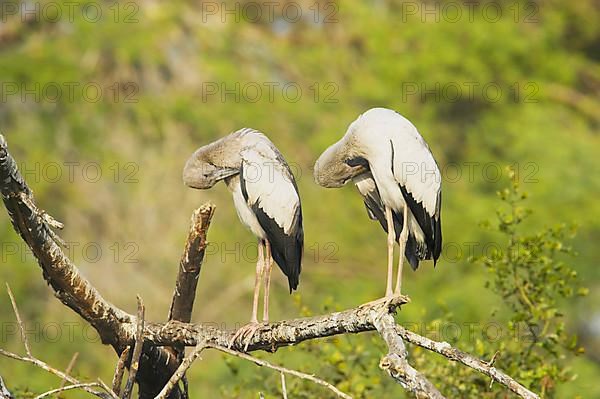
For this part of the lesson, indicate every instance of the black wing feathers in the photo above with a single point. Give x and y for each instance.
(437, 248)
(286, 249)
(430, 225)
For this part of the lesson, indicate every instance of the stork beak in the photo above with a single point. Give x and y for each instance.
(223, 173)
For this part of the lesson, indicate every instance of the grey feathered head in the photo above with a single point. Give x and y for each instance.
(211, 163)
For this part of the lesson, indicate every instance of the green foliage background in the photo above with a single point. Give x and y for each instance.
(156, 62)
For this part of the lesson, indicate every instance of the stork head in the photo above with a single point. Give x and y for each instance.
(336, 166)
(201, 172)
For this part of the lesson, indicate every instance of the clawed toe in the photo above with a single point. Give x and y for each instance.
(377, 303)
(386, 304)
(244, 335)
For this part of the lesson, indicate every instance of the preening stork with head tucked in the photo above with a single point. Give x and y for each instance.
(384, 155)
(266, 199)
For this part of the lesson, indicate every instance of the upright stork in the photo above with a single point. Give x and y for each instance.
(266, 199)
(384, 155)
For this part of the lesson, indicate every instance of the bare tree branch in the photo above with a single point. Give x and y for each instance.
(395, 362)
(187, 279)
(68, 388)
(70, 367)
(283, 387)
(445, 349)
(118, 328)
(119, 371)
(157, 365)
(268, 337)
(291, 332)
(190, 265)
(107, 389)
(282, 370)
(52, 370)
(29, 358)
(137, 350)
(19, 321)
(4, 392)
(181, 370)
(69, 286)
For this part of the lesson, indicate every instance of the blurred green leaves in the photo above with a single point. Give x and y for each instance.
(531, 282)
(377, 55)
(532, 278)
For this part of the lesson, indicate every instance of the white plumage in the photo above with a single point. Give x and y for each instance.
(266, 199)
(396, 150)
(244, 212)
(384, 155)
(269, 184)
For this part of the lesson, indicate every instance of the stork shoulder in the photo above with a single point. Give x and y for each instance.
(268, 184)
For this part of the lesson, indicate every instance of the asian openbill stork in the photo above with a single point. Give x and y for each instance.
(266, 199)
(384, 155)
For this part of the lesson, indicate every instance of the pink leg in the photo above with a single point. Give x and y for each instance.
(402, 242)
(268, 268)
(260, 267)
(246, 332)
(389, 299)
(390, 243)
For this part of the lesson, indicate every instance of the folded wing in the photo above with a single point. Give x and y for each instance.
(270, 190)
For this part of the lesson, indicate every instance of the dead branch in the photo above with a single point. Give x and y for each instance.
(137, 350)
(181, 370)
(190, 265)
(119, 371)
(69, 286)
(19, 321)
(282, 370)
(4, 392)
(446, 350)
(157, 365)
(268, 337)
(67, 283)
(70, 367)
(29, 358)
(52, 370)
(294, 331)
(107, 389)
(68, 388)
(118, 328)
(395, 363)
(283, 387)
(187, 279)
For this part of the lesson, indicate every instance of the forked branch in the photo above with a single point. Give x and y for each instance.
(395, 363)
(29, 358)
(157, 365)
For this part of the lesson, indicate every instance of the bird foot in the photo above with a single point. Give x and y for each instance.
(383, 302)
(243, 336)
(387, 304)
(381, 306)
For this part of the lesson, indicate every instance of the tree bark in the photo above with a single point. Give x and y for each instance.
(157, 363)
